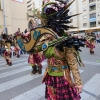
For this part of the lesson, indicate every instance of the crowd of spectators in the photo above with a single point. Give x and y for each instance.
(11, 38)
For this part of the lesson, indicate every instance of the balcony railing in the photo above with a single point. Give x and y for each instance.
(91, 9)
(94, 25)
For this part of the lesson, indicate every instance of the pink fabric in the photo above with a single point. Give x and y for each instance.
(63, 90)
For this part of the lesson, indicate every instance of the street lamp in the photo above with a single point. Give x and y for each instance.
(3, 3)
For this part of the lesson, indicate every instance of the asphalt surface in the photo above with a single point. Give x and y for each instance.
(16, 83)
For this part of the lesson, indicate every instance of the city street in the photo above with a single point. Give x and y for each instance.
(16, 83)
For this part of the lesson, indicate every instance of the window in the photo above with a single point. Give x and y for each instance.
(84, 24)
(84, 9)
(84, 17)
(93, 24)
(98, 5)
(91, 1)
(92, 7)
(83, 0)
(98, 13)
(93, 15)
(98, 22)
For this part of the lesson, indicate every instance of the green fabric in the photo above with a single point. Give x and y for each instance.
(48, 54)
(61, 73)
(51, 53)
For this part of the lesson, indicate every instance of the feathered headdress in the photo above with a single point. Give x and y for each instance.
(54, 15)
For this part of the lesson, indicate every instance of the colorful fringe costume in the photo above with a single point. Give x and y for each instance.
(90, 43)
(16, 48)
(7, 52)
(35, 61)
(61, 51)
(58, 85)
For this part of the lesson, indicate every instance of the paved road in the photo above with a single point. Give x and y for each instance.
(16, 83)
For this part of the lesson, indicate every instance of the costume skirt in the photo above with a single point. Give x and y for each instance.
(89, 45)
(5, 53)
(16, 49)
(37, 58)
(34, 59)
(62, 89)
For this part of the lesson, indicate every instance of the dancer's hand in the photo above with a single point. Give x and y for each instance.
(79, 89)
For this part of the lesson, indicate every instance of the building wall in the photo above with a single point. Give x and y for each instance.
(19, 15)
(16, 16)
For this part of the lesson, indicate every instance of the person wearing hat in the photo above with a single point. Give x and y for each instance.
(61, 51)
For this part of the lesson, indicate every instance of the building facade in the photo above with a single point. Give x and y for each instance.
(15, 15)
(31, 6)
(89, 19)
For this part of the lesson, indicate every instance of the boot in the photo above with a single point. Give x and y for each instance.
(10, 55)
(40, 69)
(10, 63)
(18, 56)
(93, 52)
(7, 62)
(34, 69)
(90, 52)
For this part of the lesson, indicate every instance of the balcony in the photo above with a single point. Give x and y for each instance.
(30, 3)
(29, 7)
(92, 19)
(92, 7)
(93, 24)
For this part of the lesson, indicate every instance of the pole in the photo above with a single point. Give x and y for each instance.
(3, 1)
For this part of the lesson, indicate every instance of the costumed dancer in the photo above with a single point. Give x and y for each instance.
(16, 50)
(7, 51)
(90, 43)
(35, 61)
(32, 63)
(61, 51)
(16, 47)
(26, 37)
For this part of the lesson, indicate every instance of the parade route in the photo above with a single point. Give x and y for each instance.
(16, 83)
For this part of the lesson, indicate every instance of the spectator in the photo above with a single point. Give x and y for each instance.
(25, 31)
(97, 38)
(2, 49)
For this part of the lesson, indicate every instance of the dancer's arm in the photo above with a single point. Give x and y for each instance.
(72, 62)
